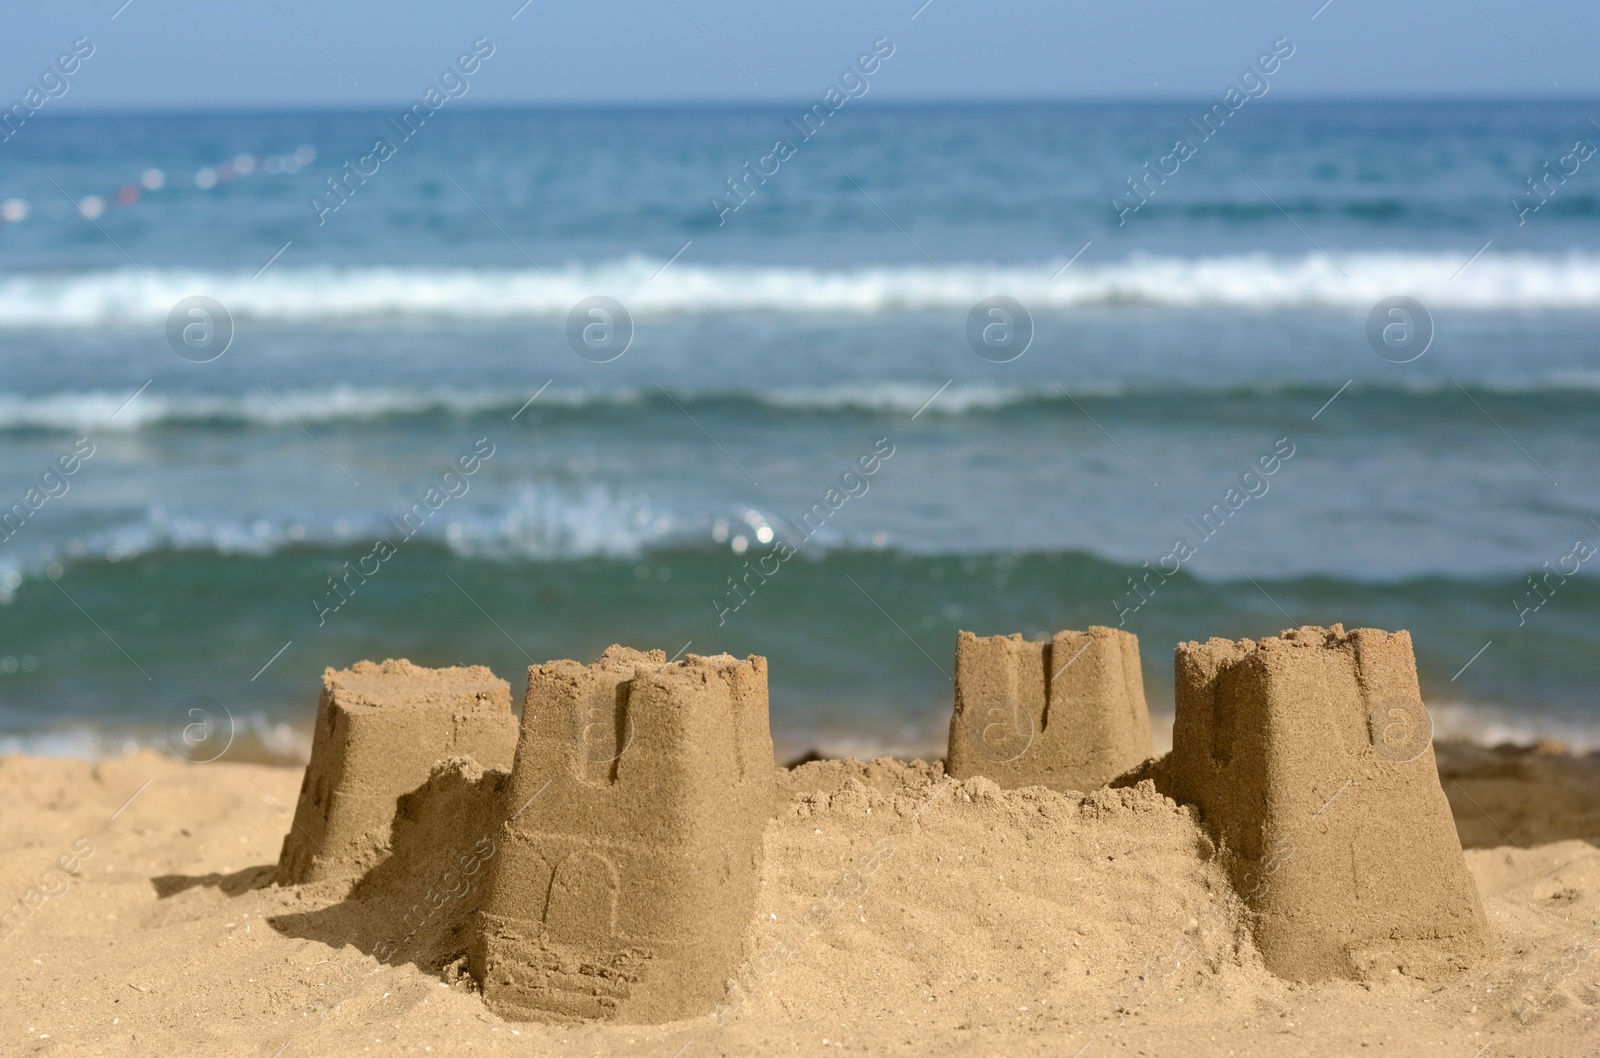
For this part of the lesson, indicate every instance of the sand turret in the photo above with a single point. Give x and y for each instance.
(380, 731)
(1067, 714)
(627, 868)
(1309, 755)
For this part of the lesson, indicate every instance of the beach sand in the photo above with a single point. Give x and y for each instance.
(899, 912)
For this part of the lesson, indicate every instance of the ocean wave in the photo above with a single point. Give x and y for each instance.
(92, 410)
(1254, 281)
(539, 522)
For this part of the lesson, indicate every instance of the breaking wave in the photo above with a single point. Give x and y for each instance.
(1252, 281)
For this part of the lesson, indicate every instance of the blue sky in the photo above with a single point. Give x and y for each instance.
(188, 54)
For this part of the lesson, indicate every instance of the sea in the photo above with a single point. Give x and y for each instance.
(929, 368)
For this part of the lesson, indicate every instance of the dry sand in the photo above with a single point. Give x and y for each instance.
(898, 913)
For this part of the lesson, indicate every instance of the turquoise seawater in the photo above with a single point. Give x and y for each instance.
(230, 528)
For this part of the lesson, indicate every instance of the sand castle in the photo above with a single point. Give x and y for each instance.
(627, 837)
(1067, 714)
(380, 730)
(1309, 754)
(627, 867)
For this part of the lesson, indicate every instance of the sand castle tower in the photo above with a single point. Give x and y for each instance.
(1067, 714)
(1310, 755)
(380, 730)
(627, 869)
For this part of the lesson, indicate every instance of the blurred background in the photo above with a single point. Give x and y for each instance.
(1201, 218)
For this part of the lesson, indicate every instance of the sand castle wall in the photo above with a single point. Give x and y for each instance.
(1067, 714)
(627, 870)
(1309, 754)
(380, 730)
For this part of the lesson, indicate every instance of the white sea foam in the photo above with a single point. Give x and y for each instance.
(127, 297)
(92, 410)
(1490, 724)
(255, 737)
(539, 521)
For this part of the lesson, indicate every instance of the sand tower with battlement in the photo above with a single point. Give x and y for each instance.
(1309, 754)
(1069, 714)
(380, 731)
(626, 870)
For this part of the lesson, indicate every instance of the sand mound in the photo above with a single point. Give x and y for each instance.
(884, 774)
(967, 906)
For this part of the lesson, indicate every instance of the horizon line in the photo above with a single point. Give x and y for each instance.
(1143, 99)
